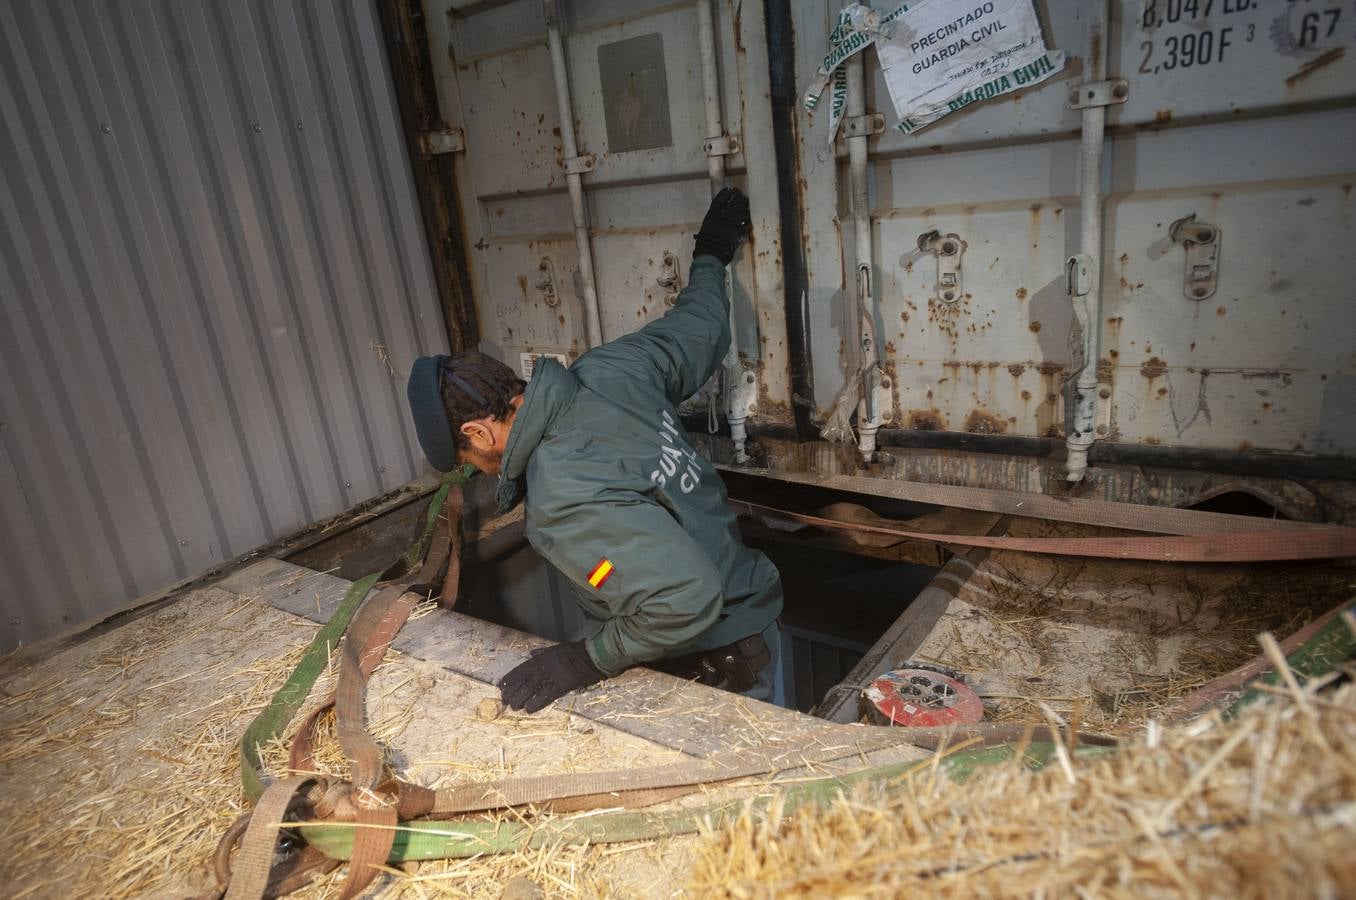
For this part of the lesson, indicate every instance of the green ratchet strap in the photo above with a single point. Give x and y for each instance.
(1316, 657)
(273, 720)
(463, 839)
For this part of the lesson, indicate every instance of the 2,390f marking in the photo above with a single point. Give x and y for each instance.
(1182, 51)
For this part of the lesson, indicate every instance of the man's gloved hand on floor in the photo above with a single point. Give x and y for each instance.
(549, 674)
(725, 226)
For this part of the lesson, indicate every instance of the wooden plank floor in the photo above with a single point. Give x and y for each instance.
(668, 711)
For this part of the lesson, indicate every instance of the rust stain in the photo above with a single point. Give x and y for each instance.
(1162, 117)
(1152, 440)
(1021, 293)
(981, 422)
(1016, 369)
(1313, 65)
(522, 285)
(1162, 392)
(1153, 368)
(1026, 395)
(1220, 311)
(1035, 327)
(1048, 420)
(926, 420)
(1245, 445)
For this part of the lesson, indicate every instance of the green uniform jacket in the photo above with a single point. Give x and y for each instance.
(611, 480)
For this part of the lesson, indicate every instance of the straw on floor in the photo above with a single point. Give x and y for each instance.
(1260, 806)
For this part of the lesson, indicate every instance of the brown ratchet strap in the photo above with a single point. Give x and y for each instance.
(366, 800)
(1077, 510)
(1312, 542)
(377, 806)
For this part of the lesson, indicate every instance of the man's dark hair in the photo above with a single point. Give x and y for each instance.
(476, 386)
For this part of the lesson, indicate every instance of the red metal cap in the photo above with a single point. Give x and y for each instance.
(918, 698)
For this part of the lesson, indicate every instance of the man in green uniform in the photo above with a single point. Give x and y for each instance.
(616, 497)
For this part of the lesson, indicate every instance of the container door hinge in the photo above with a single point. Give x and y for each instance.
(667, 285)
(948, 248)
(723, 145)
(1201, 242)
(1099, 93)
(435, 143)
(864, 126)
(1103, 411)
(578, 165)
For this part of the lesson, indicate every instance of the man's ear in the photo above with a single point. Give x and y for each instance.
(476, 432)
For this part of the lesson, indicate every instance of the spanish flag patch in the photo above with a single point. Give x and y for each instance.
(601, 573)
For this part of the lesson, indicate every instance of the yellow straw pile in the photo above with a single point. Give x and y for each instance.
(1261, 806)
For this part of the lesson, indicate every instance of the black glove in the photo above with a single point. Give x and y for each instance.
(550, 673)
(725, 226)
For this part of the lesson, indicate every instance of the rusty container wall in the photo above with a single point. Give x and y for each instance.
(212, 278)
(1253, 132)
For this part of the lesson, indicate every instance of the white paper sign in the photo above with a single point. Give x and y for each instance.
(943, 55)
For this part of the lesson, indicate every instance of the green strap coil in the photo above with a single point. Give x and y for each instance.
(273, 720)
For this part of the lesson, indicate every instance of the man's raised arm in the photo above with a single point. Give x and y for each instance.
(689, 342)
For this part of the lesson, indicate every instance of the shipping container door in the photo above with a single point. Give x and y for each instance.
(635, 82)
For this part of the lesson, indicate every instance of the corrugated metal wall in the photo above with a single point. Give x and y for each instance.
(213, 278)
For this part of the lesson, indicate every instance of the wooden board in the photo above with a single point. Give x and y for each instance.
(677, 714)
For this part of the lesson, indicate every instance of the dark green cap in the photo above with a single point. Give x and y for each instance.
(430, 416)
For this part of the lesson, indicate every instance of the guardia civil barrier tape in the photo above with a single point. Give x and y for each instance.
(857, 27)
(942, 57)
(936, 60)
